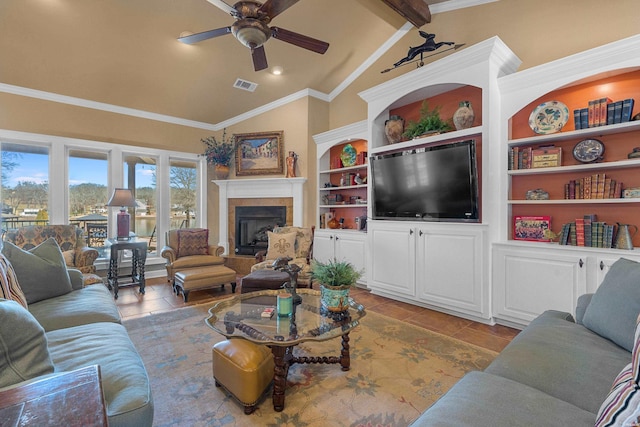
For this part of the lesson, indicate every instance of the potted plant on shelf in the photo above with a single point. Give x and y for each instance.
(429, 123)
(335, 278)
(219, 153)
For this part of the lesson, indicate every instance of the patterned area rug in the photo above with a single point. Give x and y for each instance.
(397, 371)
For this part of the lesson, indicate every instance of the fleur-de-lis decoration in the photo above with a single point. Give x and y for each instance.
(282, 246)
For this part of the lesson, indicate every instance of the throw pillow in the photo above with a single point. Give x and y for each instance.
(9, 283)
(41, 271)
(193, 241)
(24, 355)
(620, 408)
(281, 245)
(616, 303)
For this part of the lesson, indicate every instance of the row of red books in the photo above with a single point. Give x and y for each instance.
(596, 186)
(603, 111)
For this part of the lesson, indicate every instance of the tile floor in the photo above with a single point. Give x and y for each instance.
(159, 297)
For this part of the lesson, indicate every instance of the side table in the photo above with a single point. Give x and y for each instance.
(139, 250)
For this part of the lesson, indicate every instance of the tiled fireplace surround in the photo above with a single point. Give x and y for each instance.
(257, 192)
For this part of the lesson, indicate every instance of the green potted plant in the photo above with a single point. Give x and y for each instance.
(335, 279)
(430, 122)
(219, 153)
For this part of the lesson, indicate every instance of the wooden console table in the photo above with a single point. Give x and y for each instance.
(138, 259)
(68, 399)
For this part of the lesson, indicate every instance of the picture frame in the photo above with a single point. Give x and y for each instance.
(531, 228)
(259, 153)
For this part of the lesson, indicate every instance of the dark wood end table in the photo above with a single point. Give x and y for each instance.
(139, 250)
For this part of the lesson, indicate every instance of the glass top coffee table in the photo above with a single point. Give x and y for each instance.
(241, 317)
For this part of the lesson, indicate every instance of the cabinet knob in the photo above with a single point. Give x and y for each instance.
(601, 265)
(337, 237)
(580, 263)
(420, 233)
(410, 231)
(331, 237)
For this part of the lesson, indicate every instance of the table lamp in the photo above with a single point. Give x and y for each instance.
(122, 197)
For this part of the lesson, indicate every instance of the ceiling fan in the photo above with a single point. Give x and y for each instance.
(252, 28)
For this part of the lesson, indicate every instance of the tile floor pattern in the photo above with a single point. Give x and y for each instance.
(159, 297)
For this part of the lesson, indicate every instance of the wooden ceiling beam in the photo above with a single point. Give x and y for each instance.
(415, 11)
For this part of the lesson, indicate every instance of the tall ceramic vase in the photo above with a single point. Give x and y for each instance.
(393, 129)
(464, 115)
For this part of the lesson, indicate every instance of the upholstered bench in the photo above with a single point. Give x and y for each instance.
(261, 280)
(243, 369)
(203, 278)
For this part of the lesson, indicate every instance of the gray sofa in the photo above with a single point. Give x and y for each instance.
(73, 330)
(557, 371)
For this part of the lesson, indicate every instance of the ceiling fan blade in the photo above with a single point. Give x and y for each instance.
(223, 6)
(299, 40)
(259, 58)
(273, 8)
(198, 37)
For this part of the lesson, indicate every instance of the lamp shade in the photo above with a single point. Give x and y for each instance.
(122, 197)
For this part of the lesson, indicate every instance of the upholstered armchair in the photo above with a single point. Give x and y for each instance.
(292, 242)
(189, 248)
(72, 243)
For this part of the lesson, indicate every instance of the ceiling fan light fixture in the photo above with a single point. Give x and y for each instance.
(251, 32)
(277, 70)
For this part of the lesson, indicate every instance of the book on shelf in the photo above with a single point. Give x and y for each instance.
(584, 117)
(611, 113)
(592, 112)
(627, 109)
(577, 121)
(617, 112)
(572, 234)
(602, 105)
(564, 234)
(531, 227)
(579, 231)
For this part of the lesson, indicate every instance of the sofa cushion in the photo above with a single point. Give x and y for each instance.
(23, 355)
(125, 381)
(281, 245)
(615, 305)
(481, 399)
(558, 357)
(9, 286)
(193, 241)
(41, 271)
(92, 304)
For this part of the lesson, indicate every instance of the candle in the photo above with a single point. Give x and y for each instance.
(284, 304)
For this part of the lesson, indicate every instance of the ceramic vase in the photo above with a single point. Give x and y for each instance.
(221, 171)
(393, 129)
(335, 298)
(464, 115)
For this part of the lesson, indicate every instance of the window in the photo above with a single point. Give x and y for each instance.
(140, 176)
(24, 188)
(182, 183)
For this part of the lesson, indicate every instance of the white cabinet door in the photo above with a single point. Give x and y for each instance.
(528, 281)
(350, 247)
(391, 265)
(323, 245)
(449, 269)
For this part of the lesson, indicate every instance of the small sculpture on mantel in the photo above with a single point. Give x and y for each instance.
(291, 164)
(428, 46)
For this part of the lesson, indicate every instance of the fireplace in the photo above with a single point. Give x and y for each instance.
(252, 224)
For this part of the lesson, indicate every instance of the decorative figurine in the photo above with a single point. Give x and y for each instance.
(291, 164)
(428, 46)
(282, 264)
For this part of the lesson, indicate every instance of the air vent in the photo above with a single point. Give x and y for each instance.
(245, 85)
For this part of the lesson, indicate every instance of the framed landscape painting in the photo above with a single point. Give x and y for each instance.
(260, 153)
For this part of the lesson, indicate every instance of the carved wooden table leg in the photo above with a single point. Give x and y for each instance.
(280, 372)
(345, 359)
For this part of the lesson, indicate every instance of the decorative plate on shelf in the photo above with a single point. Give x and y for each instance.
(348, 155)
(549, 117)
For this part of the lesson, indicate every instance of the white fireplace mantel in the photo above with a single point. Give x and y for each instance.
(261, 188)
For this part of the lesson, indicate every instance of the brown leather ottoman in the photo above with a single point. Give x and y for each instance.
(243, 369)
(261, 280)
(203, 278)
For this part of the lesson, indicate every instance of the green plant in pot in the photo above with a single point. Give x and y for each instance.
(335, 278)
(430, 122)
(219, 153)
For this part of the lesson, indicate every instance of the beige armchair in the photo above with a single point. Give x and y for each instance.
(71, 240)
(188, 248)
(294, 242)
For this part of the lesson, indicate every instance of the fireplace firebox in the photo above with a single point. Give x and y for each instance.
(252, 224)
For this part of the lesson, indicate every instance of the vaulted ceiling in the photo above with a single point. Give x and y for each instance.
(125, 52)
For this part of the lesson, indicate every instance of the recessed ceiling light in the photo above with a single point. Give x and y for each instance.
(277, 70)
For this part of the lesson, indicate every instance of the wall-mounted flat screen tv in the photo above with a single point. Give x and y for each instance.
(437, 183)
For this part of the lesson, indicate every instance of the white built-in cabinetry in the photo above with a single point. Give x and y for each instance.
(347, 245)
(530, 277)
(437, 264)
